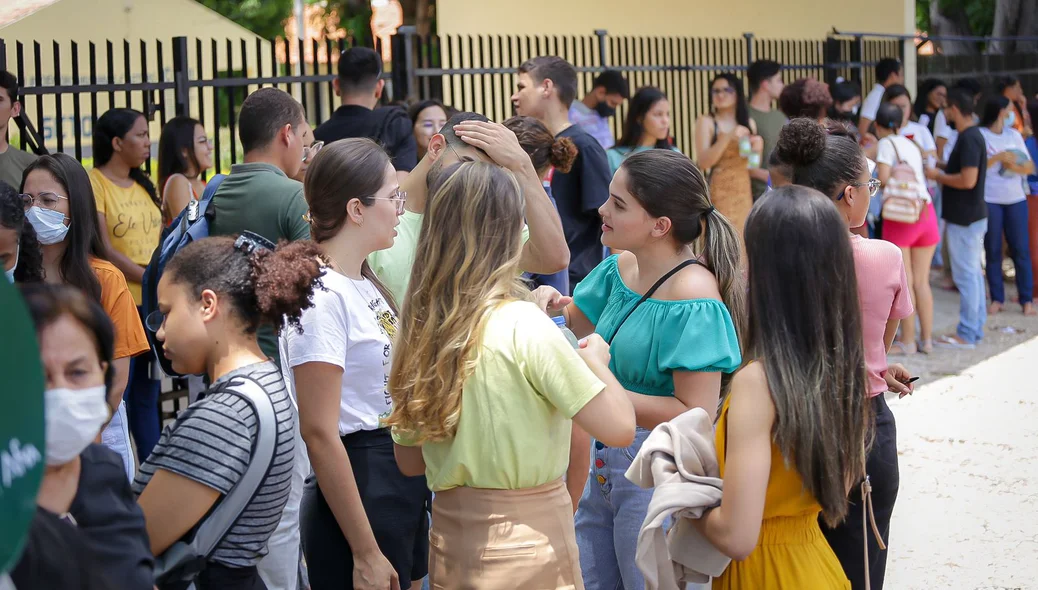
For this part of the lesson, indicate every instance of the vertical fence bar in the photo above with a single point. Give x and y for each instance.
(59, 123)
(77, 126)
(161, 63)
(217, 141)
(92, 49)
(38, 67)
(127, 75)
(231, 94)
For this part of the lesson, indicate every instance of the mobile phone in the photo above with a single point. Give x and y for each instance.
(912, 380)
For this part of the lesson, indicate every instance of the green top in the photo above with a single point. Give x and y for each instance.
(12, 163)
(258, 197)
(769, 125)
(617, 155)
(514, 427)
(661, 336)
(393, 265)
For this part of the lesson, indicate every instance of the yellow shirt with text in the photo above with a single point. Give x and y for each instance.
(134, 221)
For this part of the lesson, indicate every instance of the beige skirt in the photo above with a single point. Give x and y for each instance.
(504, 539)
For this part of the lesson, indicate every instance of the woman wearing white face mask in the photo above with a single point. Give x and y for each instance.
(84, 482)
(59, 203)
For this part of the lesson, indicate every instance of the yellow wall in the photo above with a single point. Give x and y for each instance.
(787, 19)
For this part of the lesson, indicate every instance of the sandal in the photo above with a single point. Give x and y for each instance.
(995, 307)
(925, 346)
(898, 348)
(1029, 309)
(955, 343)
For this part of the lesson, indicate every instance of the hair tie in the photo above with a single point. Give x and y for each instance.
(710, 210)
(248, 242)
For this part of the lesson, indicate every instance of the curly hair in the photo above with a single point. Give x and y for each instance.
(805, 97)
(264, 286)
(30, 255)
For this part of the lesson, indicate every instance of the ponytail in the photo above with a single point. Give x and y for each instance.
(723, 250)
(264, 286)
(141, 178)
(30, 257)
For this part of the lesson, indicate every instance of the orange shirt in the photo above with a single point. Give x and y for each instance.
(130, 339)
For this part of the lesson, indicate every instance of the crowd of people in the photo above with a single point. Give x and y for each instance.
(391, 286)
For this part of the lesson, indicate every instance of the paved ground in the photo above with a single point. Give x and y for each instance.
(967, 512)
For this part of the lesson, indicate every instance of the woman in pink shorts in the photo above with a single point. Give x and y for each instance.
(917, 240)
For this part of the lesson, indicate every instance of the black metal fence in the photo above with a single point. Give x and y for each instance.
(66, 85)
(478, 72)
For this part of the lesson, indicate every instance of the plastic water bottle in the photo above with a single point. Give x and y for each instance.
(560, 321)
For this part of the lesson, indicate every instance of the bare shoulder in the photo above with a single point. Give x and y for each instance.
(694, 281)
(705, 121)
(751, 403)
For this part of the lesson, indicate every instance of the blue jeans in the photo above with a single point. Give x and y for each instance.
(142, 404)
(1010, 220)
(965, 248)
(938, 254)
(608, 519)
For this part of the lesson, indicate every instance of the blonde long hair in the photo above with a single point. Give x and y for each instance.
(466, 265)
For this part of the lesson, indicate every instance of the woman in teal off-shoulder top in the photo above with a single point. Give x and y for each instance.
(671, 350)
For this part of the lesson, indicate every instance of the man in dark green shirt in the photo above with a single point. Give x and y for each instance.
(260, 195)
(766, 85)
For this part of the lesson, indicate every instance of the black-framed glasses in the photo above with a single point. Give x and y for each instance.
(873, 185)
(310, 152)
(44, 200)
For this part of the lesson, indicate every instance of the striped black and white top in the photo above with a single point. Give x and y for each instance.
(211, 442)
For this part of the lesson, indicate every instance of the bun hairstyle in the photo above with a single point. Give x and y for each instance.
(264, 286)
(667, 184)
(544, 149)
(817, 159)
(12, 216)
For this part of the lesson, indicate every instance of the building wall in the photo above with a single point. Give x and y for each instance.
(132, 21)
(790, 19)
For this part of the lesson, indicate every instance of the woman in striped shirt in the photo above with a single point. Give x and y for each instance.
(212, 297)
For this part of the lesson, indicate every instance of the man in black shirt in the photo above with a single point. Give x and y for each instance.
(547, 87)
(965, 213)
(360, 85)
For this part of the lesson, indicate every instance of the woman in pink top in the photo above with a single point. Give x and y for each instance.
(833, 163)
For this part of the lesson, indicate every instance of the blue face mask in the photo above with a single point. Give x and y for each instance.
(10, 273)
(1010, 119)
(49, 225)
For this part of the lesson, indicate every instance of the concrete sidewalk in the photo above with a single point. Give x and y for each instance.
(967, 512)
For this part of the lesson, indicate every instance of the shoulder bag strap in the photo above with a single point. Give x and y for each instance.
(868, 517)
(649, 294)
(214, 528)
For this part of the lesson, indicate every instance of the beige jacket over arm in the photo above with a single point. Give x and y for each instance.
(679, 459)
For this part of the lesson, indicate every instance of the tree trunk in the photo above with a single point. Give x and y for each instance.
(1015, 18)
(951, 23)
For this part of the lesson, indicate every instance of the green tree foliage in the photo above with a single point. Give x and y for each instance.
(266, 18)
(978, 15)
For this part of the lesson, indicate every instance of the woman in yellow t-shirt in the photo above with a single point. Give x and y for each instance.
(484, 386)
(130, 217)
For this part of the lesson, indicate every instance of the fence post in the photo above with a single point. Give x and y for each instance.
(831, 60)
(602, 33)
(404, 78)
(3, 56)
(857, 55)
(749, 48)
(181, 76)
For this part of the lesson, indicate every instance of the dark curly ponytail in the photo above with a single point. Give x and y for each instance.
(264, 286)
(12, 217)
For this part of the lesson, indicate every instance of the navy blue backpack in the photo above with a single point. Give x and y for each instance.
(192, 224)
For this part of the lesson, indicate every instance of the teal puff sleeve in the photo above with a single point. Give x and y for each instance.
(698, 335)
(592, 294)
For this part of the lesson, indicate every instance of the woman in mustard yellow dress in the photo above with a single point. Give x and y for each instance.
(790, 431)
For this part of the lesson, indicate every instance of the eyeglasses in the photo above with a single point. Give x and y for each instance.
(206, 141)
(400, 198)
(44, 200)
(873, 185)
(154, 321)
(309, 153)
(720, 91)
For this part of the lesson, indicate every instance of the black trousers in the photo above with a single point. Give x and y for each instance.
(848, 538)
(396, 507)
(221, 577)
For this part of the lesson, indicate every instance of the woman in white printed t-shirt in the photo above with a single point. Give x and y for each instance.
(918, 240)
(363, 523)
(1009, 163)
